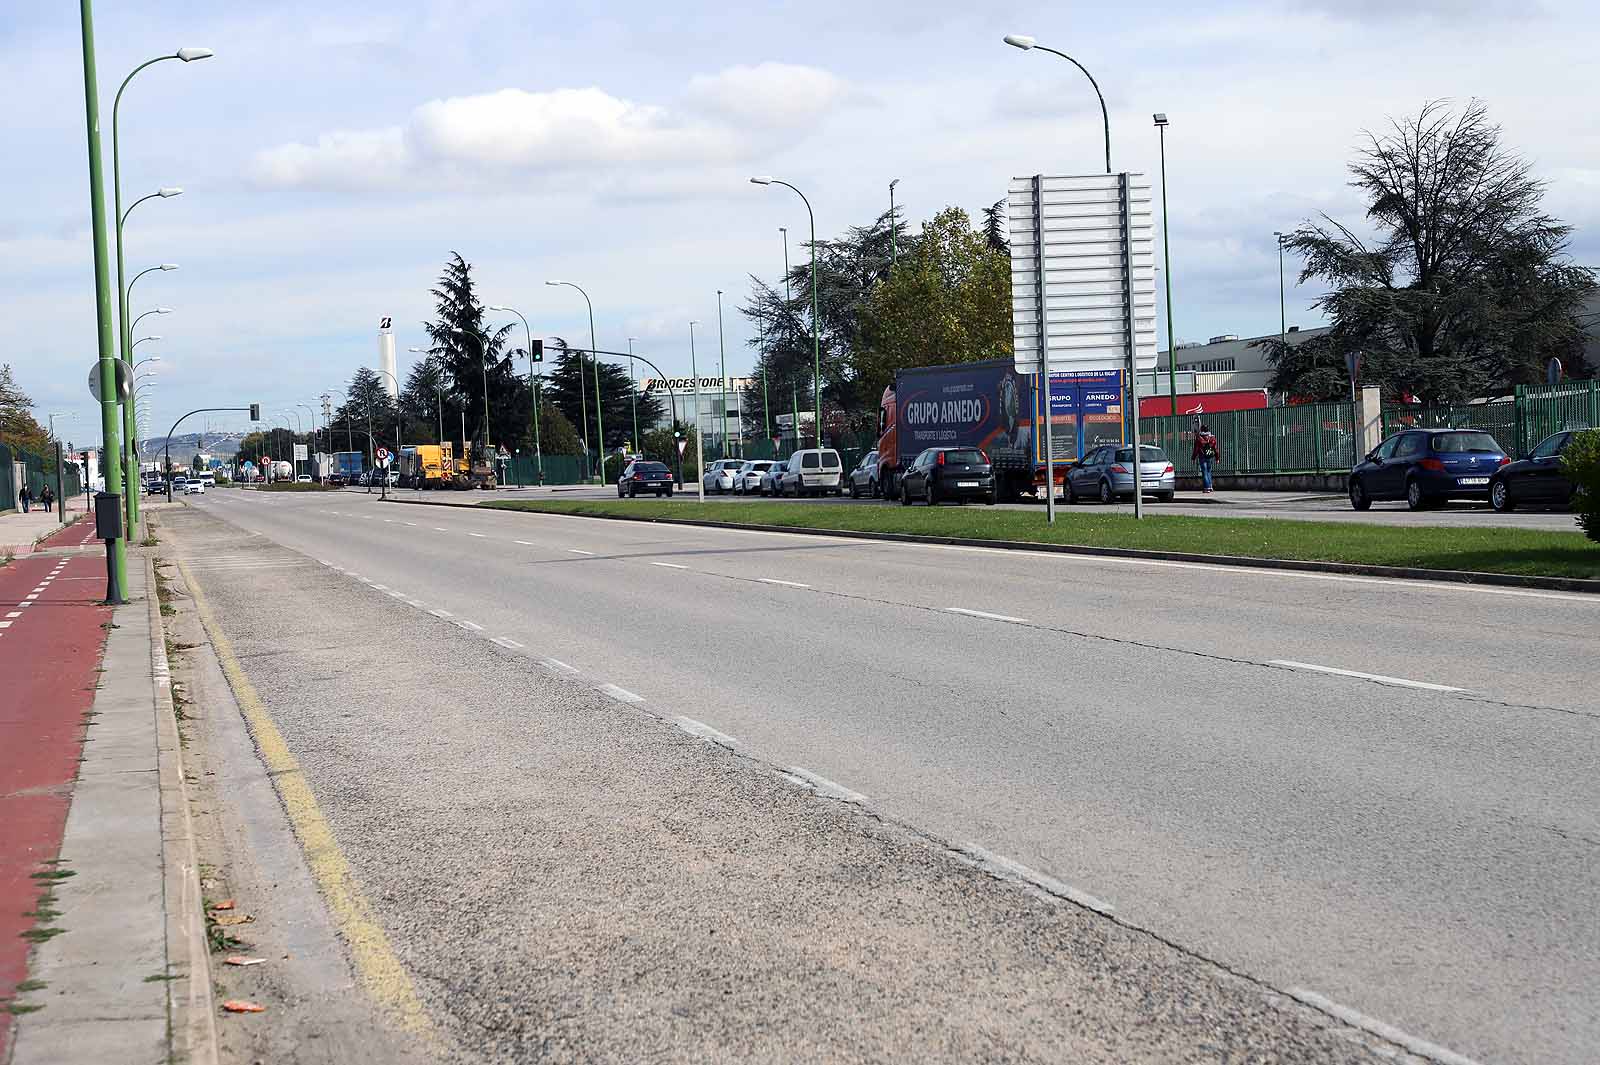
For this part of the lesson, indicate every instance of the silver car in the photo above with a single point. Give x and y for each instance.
(769, 480)
(747, 478)
(719, 475)
(1106, 474)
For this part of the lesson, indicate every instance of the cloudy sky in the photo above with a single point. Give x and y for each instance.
(334, 153)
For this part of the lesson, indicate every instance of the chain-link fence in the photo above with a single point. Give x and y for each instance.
(35, 471)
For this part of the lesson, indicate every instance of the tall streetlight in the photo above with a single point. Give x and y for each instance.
(1026, 43)
(788, 296)
(894, 228)
(816, 326)
(600, 444)
(138, 318)
(533, 383)
(312, 412)
(699, 444)
(633, 391)
(1283, 307)
(141, 340)
(722, 385)
(1166, 251)
(129, 412)
(141, 362)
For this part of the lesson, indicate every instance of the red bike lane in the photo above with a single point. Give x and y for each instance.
(52, 635)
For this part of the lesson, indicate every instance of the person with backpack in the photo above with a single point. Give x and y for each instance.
(1206, 453)
(47, 497)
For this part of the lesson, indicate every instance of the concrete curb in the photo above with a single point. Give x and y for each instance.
(190, 1005)
(1451, 576)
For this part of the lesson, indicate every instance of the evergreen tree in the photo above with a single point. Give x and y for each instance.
(575, 398)
(18, 428)
(471, 359)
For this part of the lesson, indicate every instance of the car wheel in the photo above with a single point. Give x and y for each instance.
(1359, 500)
(1415, 499)
(933, 492)
(1072, 494)
(619, 491)
(633, 493)
(855, 489)
(989, 500)
(1500, 496)
(905, 495)
(1105, 492)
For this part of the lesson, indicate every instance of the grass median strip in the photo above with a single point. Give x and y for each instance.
(1485, 549)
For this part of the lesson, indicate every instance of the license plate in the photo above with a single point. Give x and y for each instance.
(1472, 480)
(966, 484)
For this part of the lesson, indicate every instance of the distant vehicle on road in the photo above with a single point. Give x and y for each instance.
(864, 478)
(1539, 478)
(948, 473)
(194, 488)
(747, 478)
(1106, 474)
(155, 488)
(304, 478)
(718, 476)
(812, 471)
(179, 483)
(337, 480)
(770, 479)
(644, 476)
(1426, 467)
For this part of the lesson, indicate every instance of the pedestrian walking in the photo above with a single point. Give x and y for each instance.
(1206, 453)
(47, 497)
(25, 497)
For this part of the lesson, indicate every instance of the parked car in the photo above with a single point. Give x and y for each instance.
(718, 476)
(771, 479)
(1106, 474)
(941, 473)
(864, 478)
(642, 475)
(179, 484)
(1426, 467)
(1539, 478)
(812, 471)
(747, 478)
(304, 478)
(193, 488)
(337, 480)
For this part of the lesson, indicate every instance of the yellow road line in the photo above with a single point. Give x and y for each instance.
(377, 966)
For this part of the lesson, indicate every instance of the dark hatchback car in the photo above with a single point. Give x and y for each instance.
(1426, 467)
(1539, 478)
(644, 476)
(941, 473)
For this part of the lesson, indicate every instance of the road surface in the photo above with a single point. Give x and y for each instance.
(1374, 795)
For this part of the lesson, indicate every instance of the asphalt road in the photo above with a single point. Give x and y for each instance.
(1415, 844)
(1288, 506)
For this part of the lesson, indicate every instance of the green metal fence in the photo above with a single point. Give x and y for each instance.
(1517, 424)
(37, 470)
(1310, 438)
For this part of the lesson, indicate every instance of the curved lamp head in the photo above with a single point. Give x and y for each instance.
(167, 266)
(555, 282)
(497, 307)
(167, 192)
(189, 55)
(162, 310)
(420, 351)
(1160, 118)
(1020, 40)
(761, 179)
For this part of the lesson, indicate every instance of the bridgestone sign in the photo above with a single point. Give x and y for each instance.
(1091, 240)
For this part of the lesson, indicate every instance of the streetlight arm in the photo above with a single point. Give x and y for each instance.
(1105, 118)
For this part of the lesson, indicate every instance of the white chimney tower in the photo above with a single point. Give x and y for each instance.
(386, 363)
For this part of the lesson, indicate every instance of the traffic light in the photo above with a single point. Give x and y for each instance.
(536, 353)
(255, 412)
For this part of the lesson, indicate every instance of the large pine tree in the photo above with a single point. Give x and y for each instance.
(470, 358)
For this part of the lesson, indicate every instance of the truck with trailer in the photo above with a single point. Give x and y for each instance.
(989, 405)
(349, 465)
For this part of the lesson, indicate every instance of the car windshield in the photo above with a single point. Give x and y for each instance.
(1476, 443)
(965, 456)
(1149, 453)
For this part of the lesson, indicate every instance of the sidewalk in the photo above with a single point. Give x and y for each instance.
(19, 531)
(118, 968)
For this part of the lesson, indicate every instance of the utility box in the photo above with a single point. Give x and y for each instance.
(108, 515)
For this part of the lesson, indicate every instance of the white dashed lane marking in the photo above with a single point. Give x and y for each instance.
(1377, 678)
(577, 551)
(786, 584)
(668, 565)
(984, 614)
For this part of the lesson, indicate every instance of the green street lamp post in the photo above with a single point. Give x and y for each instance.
(722, 384)
(533, 385)
(1166, 251)
(816, 324)
(699, 441)
(599, 419)
(633, 390)
(129, 459)
(1283, 307)
(1027, 44)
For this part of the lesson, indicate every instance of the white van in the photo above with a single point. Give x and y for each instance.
(813, 471)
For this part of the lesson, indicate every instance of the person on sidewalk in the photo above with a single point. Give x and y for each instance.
(25, 497)
(47, 497)
(1205, 454)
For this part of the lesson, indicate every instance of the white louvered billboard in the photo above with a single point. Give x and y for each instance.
(1092, 240)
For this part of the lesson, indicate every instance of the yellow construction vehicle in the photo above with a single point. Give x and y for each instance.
(427, 466)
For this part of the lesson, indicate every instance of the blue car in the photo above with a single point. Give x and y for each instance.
(1426, 467)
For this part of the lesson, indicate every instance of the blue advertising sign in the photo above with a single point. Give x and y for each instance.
(1086, 411)
(976, 405)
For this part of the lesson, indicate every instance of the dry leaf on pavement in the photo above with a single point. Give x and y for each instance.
(225, 904)
(239, 1005)
(240, 959)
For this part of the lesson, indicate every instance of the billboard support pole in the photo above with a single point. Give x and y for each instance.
(1044, 351)
(1132, 396)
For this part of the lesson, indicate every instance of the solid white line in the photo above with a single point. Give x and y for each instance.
(478, 535)
(985, 614)
(473, 625)
(824, 787)
(1001, 866)
(559, 666)
(441, 613)
(381, 587)
(575, 551)
(507, 642)
(410, 524)
(437, 529)
(706, 732)
(418, 603)
(786, 584)
(1420, 1047)
(524, 543)
(622, 695)
(668, 565)
(1377, 678)
(324, 561)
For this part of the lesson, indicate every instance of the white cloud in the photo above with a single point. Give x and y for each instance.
(342, 159)
(768, 94)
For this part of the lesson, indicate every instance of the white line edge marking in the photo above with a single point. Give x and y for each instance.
(559, 666)
(985, 614)
(524, 543)
(1431, 1051)
(621, 695)
(441, 613)
(668, 565)
(473, 625)
(437, 529)
(705, 732)
(1378, 678)
(478, 535)
(999, 865)
(507, 642)
(823, 786)
(786, 584)
(575, 551)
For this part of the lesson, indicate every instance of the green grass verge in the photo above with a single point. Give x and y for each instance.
(295, 486)
(1485, 549)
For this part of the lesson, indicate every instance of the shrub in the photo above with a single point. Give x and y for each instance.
(1581, 460)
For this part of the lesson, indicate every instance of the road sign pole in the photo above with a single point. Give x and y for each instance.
(1130, 333)
(1044, 353)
